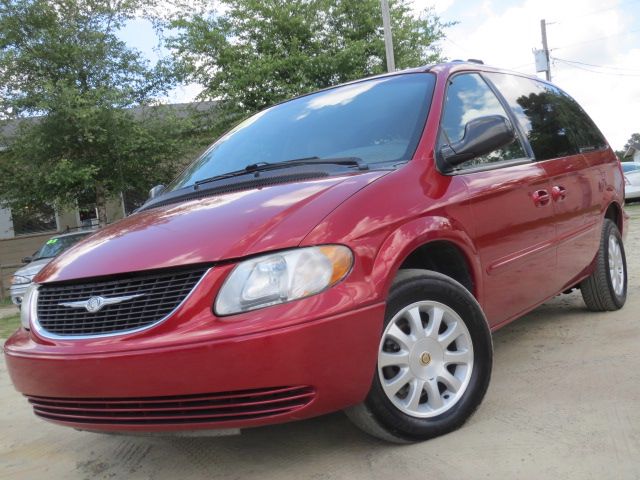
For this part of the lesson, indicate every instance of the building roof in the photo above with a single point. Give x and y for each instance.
(633, 147)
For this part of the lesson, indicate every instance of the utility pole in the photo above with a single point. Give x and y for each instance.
(388, 39)
(545, 48)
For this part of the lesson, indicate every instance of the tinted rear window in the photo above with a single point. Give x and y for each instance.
(554, 123)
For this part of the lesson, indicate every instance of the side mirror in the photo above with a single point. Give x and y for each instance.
(481, 136)
(155, 191)
(27, 259)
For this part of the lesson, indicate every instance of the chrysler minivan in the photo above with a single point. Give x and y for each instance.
(351, 249)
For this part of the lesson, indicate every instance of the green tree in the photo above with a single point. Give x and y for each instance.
(73, 82)
(259, 52)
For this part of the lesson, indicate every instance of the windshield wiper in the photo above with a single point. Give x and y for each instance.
(347, 161)
(266, 166)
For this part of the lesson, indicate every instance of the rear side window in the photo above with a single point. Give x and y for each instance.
(554, 123)
(469, 97)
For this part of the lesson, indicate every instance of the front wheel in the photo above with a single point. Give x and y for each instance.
(606, 288)
(434, 361)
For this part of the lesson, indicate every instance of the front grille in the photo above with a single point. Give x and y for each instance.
(161, 293)
(183, 409)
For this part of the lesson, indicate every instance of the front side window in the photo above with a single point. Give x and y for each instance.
(469, 97)
(378, 121)
(554, 123)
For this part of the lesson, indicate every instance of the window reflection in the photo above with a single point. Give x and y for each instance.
(378, 120)
(555, 125)
(469, 97)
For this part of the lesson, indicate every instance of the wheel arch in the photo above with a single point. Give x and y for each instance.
(434, 243)
(615, 214)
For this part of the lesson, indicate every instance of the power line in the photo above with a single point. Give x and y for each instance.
(593, 12)
(596, 66)
(465, 50)
(521, 66)
(597, 39)
(573, 65)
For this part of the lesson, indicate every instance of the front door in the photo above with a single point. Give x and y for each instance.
(511, 200)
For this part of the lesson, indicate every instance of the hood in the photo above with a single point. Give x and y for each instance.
(32, 268)
(206, 230)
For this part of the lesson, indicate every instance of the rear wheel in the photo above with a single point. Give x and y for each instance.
(434, 361)
(606, 288)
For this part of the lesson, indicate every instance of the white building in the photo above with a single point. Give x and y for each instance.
(633, 151)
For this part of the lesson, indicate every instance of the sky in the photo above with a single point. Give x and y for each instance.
(595, 45)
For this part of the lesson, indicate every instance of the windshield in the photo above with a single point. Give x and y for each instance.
(56, 245)
(377, 121)
(630, 167)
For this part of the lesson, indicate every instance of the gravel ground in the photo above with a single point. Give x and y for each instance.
(563, 403)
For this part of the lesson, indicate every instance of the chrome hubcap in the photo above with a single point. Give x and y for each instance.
(616, 265)
(425, 359)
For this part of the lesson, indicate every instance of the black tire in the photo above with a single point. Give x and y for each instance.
(377, 415)
(598, 290)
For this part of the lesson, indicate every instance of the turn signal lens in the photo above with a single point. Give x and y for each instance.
(341, 261)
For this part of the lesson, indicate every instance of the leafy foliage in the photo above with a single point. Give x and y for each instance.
(84, 97)
(64, 71)
(259, 52)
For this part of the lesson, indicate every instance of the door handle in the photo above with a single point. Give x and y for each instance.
(559, 193)
(541, 198)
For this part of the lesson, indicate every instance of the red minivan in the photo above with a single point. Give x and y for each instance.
(349, 249)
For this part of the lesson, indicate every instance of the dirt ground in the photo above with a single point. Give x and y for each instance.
(563, 403)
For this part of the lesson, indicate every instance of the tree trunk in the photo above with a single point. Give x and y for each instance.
(101, 205)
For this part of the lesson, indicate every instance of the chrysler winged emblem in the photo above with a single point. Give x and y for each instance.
(95, 304)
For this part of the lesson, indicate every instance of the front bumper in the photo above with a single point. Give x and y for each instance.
(290, 373)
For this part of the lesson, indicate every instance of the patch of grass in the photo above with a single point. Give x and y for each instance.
(8, 325)
(5, 301)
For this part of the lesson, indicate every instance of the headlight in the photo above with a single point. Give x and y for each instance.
(19, 280)
(282, 277)
(29, 304)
